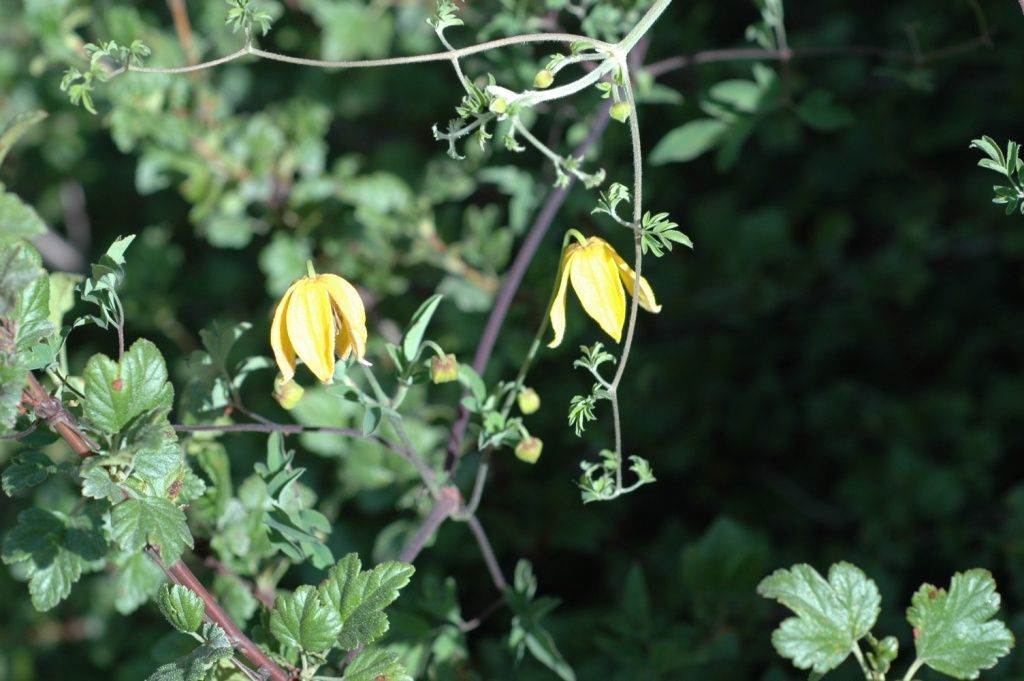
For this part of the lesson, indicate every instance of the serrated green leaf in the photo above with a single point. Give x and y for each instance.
(16, 127)
(136, 523)
(57, 549)
(19, 267)
(361, 596)
(954, 632)
(305, 620)
(29, 469)
(831, 615)
(418, 327)
(182, 607)
(136, 580)
(376, 664)
(18, 220)
(97, 484)
(117, 393)
(158, 469)
(196, 665)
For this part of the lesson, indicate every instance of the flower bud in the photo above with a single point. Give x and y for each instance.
(543, 79)
(529, 449)
(288, 393)
(499, 105)
(444, 369)
(620, 111)
(528, 400)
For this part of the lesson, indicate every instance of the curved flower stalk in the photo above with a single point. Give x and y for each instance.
(319, 317)
(597, 274)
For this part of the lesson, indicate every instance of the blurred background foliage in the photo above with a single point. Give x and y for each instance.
(836, 373)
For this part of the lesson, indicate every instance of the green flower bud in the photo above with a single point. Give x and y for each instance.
(287, 393)
(543, 79)
(620, 111)
(499, 105)
(444, 369)
(529, 449)
(528, 400)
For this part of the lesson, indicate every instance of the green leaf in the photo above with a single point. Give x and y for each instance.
(18, 220)
(820, 111)
(196, 665)
(182, 607)
(19, 267)
(158, 522)
(28, 469)
(32, 319)
(96, 483)
(15, 128)
(831, 615)
(117, 393)
(418, 327)
(688, 141)
(305, 620)
(156, 470)
(376, 664)
(360, 597)
(57, 550)
(954, 632)
(136, 580)
(528, 631)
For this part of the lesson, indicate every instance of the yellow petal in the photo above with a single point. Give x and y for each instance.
(595, 278)
(284, 353)
(349, 306)
(628, 276)
(557, 311)
(309, 322)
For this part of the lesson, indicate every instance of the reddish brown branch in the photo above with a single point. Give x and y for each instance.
(179, 573)
(183, 28)
(448, 501)
(53, 412)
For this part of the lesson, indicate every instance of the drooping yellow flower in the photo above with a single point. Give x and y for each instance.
(319, 317)
(597, 274)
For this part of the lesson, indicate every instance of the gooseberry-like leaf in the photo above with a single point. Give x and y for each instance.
(115, 393)
(196, 665)
(831, 615)
(182, 607)
(361, 596)
(954, 632)
(57, 550)
(305, 620)
(137, 522)
(376, 664)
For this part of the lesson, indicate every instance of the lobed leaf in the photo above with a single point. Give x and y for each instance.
(831, 615)
(954, 632)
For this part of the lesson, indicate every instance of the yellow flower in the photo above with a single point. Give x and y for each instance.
(319, 316)
(597, 274)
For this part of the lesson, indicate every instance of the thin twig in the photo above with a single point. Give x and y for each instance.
(488, 553)
(447, 501)
(514, 278)
(182, 26)
(56, 416)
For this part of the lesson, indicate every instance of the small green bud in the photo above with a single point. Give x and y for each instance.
(543, 79)
(620, 111)
(528, 400)
(287, 394)
(888, 648)
(499, 105)
(529, 449)
(444, 369)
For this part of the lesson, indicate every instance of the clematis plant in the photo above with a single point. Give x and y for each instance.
(319, 317)
(597, 274)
